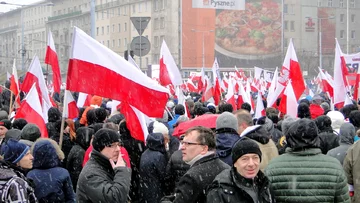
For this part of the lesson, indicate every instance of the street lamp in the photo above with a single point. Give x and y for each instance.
(203, 43)
(22, 26)
(320, 37)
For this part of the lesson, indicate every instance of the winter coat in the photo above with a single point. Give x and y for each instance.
(316, 111)
(229, 186)
(307, 176)
(152, 169)
(224, 144)
(328, 141)
(193, 185)
(52, 182)
(173, 121)
(352, 169)
(18, 189)
(267, 146)
(347, 133)
(77, 153)
(99, 182)
(175, 169)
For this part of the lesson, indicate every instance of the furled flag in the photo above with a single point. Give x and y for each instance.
(31, 110)
(169, 72)
(288, 104)
(70, 109)
(273, 86)
(216, 82)
(14, 83)
(51, 58)
(260, 109)
(95, 69)
(340, 81)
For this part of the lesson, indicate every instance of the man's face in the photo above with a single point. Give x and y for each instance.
(27, 161)
(248, 165)
(3, 130)
(190, 147)
(112, 151)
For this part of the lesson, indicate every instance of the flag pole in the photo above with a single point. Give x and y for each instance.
(11, 103)
(63, 121)
(167, 110)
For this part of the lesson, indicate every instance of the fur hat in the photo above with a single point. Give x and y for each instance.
(245, 146)
(104, 137)
(13, 151)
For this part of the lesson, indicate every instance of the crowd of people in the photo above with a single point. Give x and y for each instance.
(274, 158)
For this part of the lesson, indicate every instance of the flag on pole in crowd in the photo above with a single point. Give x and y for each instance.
(216, 82)
(260, 109)
(356, 88)
(111, 76)
(8, 75)
(230, 95)
(347, 100)
(83, 100)
(169, 72)
(72, 111)
(51, 59)
(273, 86)
(327, 85)
(201, 81)
(340, 81)
(14, 83)
(208, 93)
(31, 110)
(288, 104)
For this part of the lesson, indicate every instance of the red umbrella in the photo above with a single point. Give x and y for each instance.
(206, 120)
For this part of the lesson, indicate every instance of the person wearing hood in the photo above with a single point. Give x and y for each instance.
(337, 119)
(15, 187)
(328, 139)
(347, 134)
(54, 115)
(354, 119)
(77, 153)
(226, 136)
(52, 182)
(304, 174)
(315, 109)
(244, 182)
(153, 168)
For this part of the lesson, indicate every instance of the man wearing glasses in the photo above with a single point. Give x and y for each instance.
(198, 150)
(105, 177)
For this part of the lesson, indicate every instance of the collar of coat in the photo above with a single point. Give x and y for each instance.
(304, 152)
(205, 159)
(101, 160)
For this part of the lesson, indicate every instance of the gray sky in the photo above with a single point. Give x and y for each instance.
(5, 8)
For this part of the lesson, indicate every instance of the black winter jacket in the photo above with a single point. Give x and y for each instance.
(175, 169)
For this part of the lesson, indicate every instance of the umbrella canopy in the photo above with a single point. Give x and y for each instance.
(206, 120)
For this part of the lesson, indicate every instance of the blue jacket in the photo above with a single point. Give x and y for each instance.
(52, 183)
(173, 121)
(224, 144)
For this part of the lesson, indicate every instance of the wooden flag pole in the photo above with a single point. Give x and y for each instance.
(63, 121)
(11, 104)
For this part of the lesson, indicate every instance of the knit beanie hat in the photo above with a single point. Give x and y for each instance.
(30, 132)
(6, 123)
(13, 151)
(227, 120)
(104, 137)
(245, 146)
(13, 133)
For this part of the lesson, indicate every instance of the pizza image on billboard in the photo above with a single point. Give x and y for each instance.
(255, 31)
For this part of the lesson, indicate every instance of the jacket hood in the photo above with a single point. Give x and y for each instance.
(302, 134)
(258, 133)
(45, 155)
(324, 124)
(155, 141)
(225, 142)
(54, 114)
(83, 137)
(347, 133)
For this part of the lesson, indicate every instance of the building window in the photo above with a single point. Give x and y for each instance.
(113, 28)
(113, 43)
(352, 3)
(342, 18)
(285, 8)
(352, 34)
(97, 31)
(156, 23)
(119, 27)
(319, 3)
(292, 25)
(102, 30)
(133, 8)
(156, 41)
(352, 18)
(107, 29)
(342, 33)
(119, 11)
(162, 22)
(162, 37)
(125, 43)
(329, 3)
(145, 6)
(286, 25)
(156, 5)
(119, 42)
(108, 43)
(341, 4)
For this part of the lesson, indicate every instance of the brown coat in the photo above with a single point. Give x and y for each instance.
(352, 169)
(269, 151)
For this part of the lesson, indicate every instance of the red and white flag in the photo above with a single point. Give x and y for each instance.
(169, 72)
(288, 104)
(243, 97)
(52, 59)
(201, 81)
(327, 85)
(14, 83)
(70, 109)
(132, 61)
(95, 69)
(208, 93)
(274, 83)
(191, 86)
(356, 88)
(230, 95)
(260, 109)
(83, 100)
(347, 100)
(182, 101)
(31, 110)
(340, 81)
(216, 82)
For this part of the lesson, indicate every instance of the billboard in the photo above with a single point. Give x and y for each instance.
(219, 4)
(242, 38)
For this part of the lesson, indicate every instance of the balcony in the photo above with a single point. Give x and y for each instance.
(68, 15)
(9, 29)
(107, 5)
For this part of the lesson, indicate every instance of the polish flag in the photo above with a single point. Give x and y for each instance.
(115, 105)
(83, 100)
(191, 86)
(182, 101)
(356, 88)
(52, 59)
(327, 84)
(201, 81)
(14, 84)
(347, 100)
(70, 109)
(243, 97)
(208, 93)
(226, 82)
(31, 110)
(260, 109)
(135, 121)
(169, 72)
(95, 69)
(230, 96)
(8, 75)
(132, 61)
(216, 82)
(340, 81)
(288, 104)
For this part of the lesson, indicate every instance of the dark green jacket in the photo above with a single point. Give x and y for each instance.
(307, 176)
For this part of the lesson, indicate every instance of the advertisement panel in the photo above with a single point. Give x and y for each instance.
(242, 38)
(219, 4)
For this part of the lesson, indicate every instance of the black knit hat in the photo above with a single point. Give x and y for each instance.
(245, 146)
(6, 123)
(104, 137)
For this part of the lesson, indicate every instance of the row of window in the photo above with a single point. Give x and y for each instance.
(352, 34)
(342, 3)
(342, 18)
(69, 10)
(36, 10)
(39, 21)
(114, 29)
